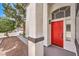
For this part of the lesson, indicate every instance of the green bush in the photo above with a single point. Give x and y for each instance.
(7, 25)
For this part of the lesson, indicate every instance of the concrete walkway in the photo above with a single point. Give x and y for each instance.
(13, 46)
(57, 51)
(23, 39)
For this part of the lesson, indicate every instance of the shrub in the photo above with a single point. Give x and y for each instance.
(6, 26)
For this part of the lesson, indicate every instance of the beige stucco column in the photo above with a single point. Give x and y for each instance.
(46, 28)
(35, 39)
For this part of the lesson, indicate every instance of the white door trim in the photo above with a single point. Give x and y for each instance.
(54, 20)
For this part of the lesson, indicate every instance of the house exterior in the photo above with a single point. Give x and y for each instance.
(52, 24)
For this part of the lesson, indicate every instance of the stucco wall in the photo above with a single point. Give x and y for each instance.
(77, 27)
(46, 27)
(39, 20)
(35, 17)
(27, 28)
(27, 21)
(39, 49)
(31, 16)
(31, 48)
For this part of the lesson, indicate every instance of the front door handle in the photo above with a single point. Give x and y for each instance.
(62, 36)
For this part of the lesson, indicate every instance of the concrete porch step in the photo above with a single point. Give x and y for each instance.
(57, 51)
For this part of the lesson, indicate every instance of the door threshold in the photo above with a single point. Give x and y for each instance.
(57, 46)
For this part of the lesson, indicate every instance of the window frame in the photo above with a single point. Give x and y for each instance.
(60, 10)
(68, 27)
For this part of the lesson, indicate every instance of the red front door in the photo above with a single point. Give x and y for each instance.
(57, 33)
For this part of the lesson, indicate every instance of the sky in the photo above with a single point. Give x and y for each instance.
(1, 11)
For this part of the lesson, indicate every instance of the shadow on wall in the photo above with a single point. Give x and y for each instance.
(77, 29)
(77, 47)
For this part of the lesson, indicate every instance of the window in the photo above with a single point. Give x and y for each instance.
(53, 16)
(63, 8)
(60, 15)
(68, 27)
(67, 12)
(61, 12)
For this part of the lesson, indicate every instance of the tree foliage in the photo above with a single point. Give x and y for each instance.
(6, 25)
(16, 11)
